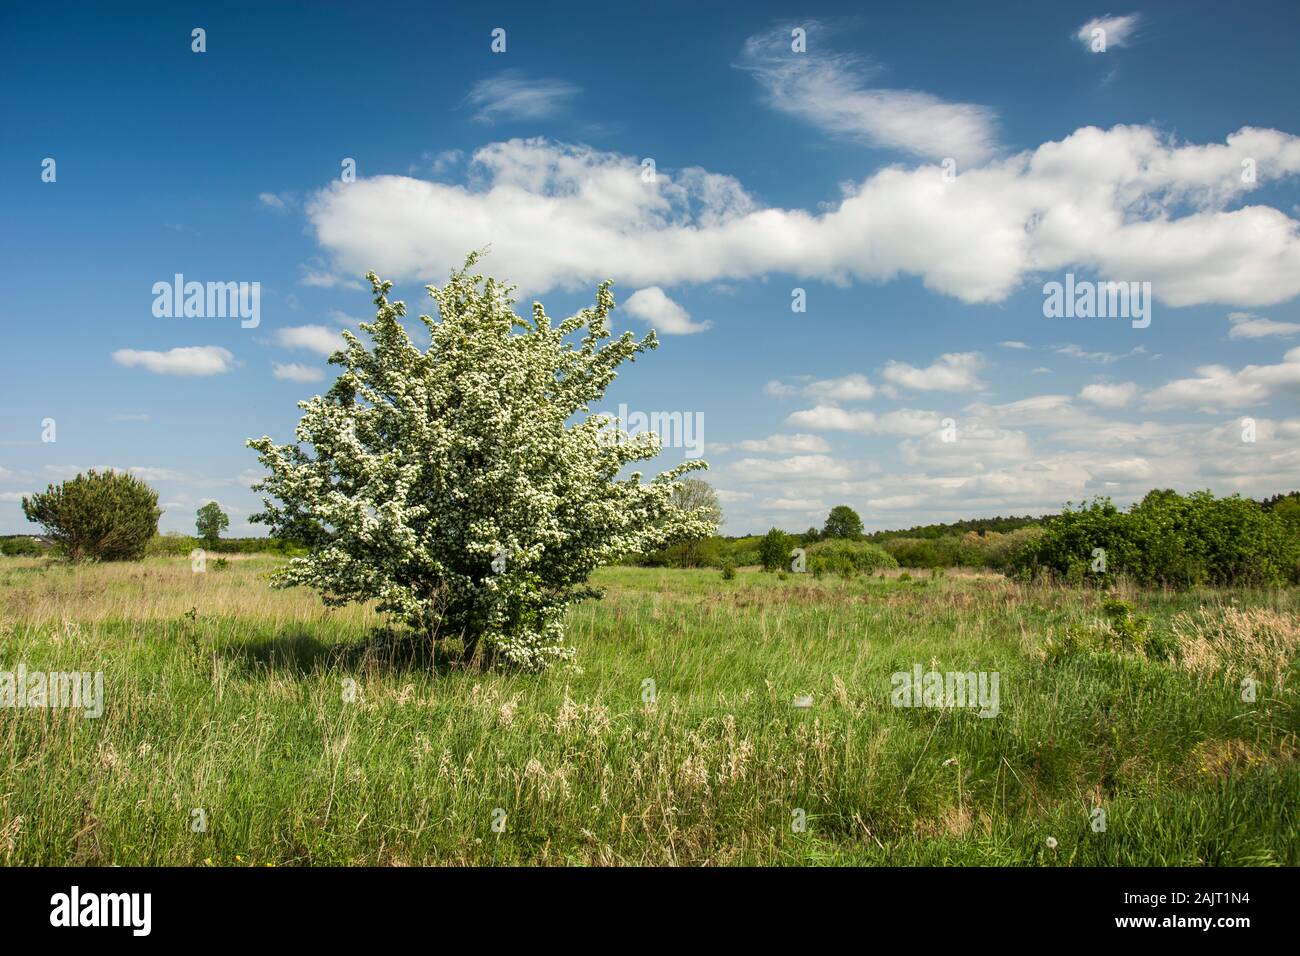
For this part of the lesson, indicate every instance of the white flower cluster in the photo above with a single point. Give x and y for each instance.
(466, 487)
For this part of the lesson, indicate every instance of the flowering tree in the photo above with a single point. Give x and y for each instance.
(466, 487)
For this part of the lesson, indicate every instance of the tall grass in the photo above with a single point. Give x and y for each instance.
(226, 697)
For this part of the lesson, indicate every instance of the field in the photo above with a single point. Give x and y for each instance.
(231, 734)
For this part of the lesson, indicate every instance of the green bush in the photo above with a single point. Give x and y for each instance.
(172, 544)
(108, 516)
(20, 547)
(847, 558)
(774, 550)
(1167, 540)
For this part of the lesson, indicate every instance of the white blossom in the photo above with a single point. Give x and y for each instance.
(467, 488)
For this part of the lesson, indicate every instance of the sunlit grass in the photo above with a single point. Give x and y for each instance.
(227, 697)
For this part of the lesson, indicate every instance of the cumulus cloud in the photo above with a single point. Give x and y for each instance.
(322, 279)
(794, 467)
(801, 505)
(785, 444)
(1246, 325)
(849, 388)
(1115, 32)
(728, 496)
(512, 96)
(951, 372)
(296, 372)
(974, 448)
(653, 306)
(834, 92)
(1109, 395)
(1217, 387)
(1125, 203)
(905, 421)
(314, 338)
(186, 360)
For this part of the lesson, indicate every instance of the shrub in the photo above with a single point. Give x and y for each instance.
(172, 544)
(774, 551)
(20, 547)
(453, 485)
(1126, 631)
(728, 570)
(1167, 540)
(847, 558)
(108, 516)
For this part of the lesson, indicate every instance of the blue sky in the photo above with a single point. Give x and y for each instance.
(919, 171)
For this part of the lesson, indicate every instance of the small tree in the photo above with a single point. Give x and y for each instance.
(842, 522)
(454, 486)
(211, 522)
(694, 495)
(109, 516)
(774, 550)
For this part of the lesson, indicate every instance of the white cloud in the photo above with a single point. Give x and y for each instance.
(1116, 32)
(1013, 345)
(1123, 470)
(1105, 358)
(272, 201)
(785, 444)
(905, 421)
(511, 95)
(320, 279)
(145, 473)
(296, 372)
(1125, 203)
(186, 360)
(795, 504)
(1044, 410)
(975, 448)
(727, 496)
(314, 338)
(1216, 387)
(1109, 395)
(849, 388)
(833, 418)
(833, 92)
(797, 466)
(951, 372)
(1246, 325)
(655, 308)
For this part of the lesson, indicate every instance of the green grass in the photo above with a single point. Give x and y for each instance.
(224, 696)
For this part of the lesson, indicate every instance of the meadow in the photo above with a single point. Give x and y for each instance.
(246, 726)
